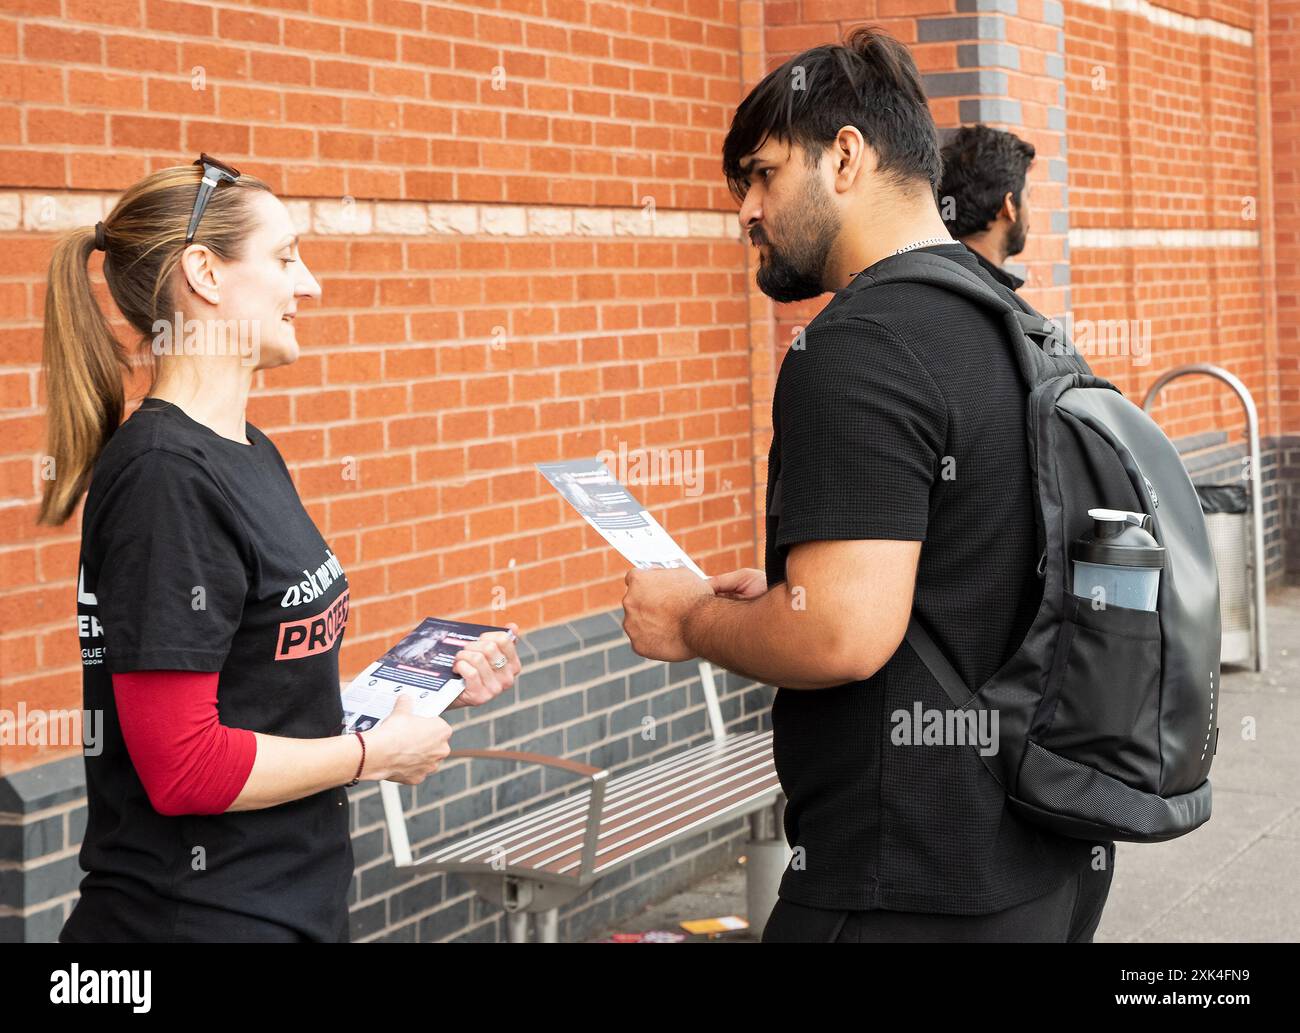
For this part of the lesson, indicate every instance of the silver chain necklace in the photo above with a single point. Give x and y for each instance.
(912, 247)
(923, 243)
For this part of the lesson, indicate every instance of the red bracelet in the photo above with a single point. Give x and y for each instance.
(363, 761)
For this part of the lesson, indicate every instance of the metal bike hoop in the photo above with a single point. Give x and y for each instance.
(1256, 480)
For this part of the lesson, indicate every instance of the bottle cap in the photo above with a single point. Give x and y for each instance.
(1119, 538)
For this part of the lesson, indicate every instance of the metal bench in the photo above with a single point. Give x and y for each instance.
(536, 862)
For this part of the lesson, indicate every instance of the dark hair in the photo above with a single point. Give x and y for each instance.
(869, 81)
(980, 167)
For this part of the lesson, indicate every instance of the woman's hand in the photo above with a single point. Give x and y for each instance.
(746, 583)
(479, 665)
(406, 747)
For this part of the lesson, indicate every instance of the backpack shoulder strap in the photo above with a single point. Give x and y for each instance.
(932, 656)
(1041, 349)
(949, 680)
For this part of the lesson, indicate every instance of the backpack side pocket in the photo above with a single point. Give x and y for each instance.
(1101, 707)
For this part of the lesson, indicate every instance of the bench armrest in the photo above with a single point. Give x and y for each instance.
(530, 758)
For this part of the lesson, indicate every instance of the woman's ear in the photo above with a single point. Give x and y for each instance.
(199, 267)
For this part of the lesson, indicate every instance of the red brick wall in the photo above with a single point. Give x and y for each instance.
(598, 103)
(604, 338)
(1284, 57)
(1164, 133)
(646, 333)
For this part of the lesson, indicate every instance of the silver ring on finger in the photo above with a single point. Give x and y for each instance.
(499, 663)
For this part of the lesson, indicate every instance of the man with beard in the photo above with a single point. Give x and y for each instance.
(984, 195)
(898, 478)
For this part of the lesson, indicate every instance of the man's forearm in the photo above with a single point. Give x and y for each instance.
(767, 639)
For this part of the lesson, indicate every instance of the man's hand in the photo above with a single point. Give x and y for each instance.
(746, 583)
(655, 608)
(837, 616)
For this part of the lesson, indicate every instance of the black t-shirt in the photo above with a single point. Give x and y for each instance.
(197, 555)
(902, 417)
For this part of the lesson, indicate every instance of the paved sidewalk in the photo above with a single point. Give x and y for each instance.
(1234, 879)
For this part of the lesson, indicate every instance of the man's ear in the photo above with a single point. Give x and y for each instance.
(1009, 208)
(852, 156)
(199, 267)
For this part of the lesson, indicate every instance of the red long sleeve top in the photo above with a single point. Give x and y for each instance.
(186, 759)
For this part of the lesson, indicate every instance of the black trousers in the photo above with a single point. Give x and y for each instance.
(1068, 914)
(105, 914)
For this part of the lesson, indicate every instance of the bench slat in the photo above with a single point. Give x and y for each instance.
(615, 849)
(705, 774)
(618, 788)
(643, 809)
(740, 804)
(710, 783)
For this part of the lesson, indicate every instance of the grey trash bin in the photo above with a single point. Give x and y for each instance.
(1227, 519)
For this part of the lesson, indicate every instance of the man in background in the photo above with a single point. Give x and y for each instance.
(984, 195)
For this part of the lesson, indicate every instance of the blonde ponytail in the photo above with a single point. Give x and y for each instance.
(84, 368)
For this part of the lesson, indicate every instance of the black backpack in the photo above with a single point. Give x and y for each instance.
(1106, 716)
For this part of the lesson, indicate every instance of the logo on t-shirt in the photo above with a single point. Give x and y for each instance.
(313, 635)
(88, 626)
(315, 583)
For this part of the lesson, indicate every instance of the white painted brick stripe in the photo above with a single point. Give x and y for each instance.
(1174, 20)
(57, 211)
(1135, 237)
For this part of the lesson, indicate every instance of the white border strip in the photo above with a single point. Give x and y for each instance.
(1174, 20)
(1121, 238)
(57, 211)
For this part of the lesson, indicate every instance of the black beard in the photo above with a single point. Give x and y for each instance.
(1015, 240)
(782, 280)
(798, 272)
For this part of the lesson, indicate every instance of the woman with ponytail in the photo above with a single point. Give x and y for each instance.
(210, 609)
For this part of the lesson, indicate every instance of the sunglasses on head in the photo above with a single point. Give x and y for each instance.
(214, 172)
